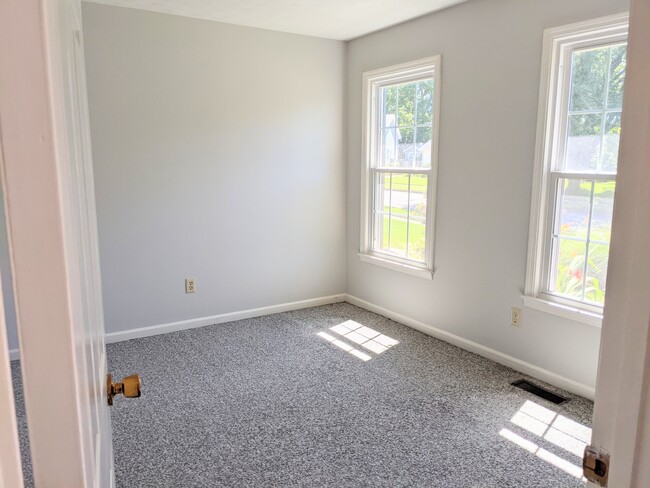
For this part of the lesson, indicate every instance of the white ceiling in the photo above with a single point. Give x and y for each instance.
(331, 19)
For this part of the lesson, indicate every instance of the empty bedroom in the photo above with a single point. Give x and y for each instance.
(342, 244)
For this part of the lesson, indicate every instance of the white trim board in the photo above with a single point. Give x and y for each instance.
(489, 353)
(153, 330)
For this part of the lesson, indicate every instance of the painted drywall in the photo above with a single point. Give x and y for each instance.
(218, 155)
(491, 57)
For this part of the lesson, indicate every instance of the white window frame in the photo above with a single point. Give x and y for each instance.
(559, 44)
(373, 81)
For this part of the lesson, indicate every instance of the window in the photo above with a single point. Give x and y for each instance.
(575, 173)
(401, 107)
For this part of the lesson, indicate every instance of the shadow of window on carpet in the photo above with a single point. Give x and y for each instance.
(356, 334)
(550, 432)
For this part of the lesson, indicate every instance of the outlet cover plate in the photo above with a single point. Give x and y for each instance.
(190, 285)
(515, 316)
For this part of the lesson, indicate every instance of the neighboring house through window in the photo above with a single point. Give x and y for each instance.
(401, 107)
(581, 98)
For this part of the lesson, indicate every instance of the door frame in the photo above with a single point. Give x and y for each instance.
(11, 473)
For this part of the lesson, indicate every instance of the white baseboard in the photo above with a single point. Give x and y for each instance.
(221, 318)
(499, 357)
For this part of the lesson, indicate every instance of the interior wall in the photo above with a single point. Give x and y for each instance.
(218, 155)
(491, 57)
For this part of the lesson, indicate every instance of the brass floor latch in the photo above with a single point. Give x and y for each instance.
(130, 387)
(595, 465)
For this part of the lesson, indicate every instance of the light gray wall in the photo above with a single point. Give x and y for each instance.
(218, 154)
(491, 56)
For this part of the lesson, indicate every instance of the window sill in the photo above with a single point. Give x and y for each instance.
(404, 268)
(565, 311)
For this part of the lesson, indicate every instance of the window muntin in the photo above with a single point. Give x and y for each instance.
(578, 157)
(399, 162)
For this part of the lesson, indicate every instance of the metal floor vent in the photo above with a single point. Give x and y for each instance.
(540, 392)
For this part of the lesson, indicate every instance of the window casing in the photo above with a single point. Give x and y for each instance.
(583, 69)
(400, 118)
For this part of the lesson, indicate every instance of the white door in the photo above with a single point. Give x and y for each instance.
(622, 407)
(51, 220)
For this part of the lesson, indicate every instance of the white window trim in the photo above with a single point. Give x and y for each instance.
(371, 81)
(557, 42)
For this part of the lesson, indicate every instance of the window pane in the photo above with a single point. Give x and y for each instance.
(389, 104)
(406, 123)
(601, 224)
(424, 99)
(387, 151)
(588, 79)
(406, 105)
(397, 243)
(417, 217)
(398, 213)
(406, 148)
(616, 76)
(423, 147)
(567, 268)
(610, 142)
(380, 203)
(583, 142)
(573, 204)
(596, 273)
(391, 203)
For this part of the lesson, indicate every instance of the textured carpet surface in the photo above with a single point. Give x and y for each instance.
(269, 402)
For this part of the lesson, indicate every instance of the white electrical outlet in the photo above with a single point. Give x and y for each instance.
(515, 316)
(190, 285)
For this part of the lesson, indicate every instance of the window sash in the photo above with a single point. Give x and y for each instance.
(376, 217)
(377, 126)
(554, 236)
(563, 90)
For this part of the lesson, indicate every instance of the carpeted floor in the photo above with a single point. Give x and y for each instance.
(268, 402)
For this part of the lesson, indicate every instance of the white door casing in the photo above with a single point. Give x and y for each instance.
(51, 220)
(623, 385)
(10, 465)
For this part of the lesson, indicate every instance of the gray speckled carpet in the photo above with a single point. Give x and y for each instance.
(269, 402)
